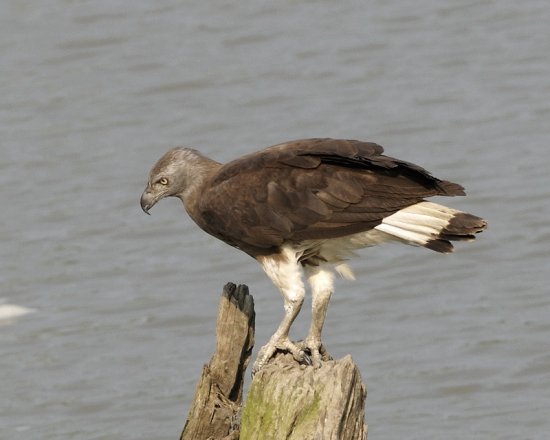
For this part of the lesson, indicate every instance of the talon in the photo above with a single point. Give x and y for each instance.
(307, 359)
(295, 350)
(317, 352)
(325, 355)
(285, 345)
(264, 355)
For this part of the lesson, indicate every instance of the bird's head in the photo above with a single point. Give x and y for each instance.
(176, 174)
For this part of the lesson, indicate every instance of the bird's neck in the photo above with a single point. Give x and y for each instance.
(196, 179)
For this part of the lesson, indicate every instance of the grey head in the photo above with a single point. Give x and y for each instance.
(178, 173)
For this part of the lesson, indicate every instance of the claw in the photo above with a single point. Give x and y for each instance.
(325, 355)
(285, 345)
(317, 352)
(307, 360)
(266, 353)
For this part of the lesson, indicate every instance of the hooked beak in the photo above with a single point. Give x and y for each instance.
(148, 200)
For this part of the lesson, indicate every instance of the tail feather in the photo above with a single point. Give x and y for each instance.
(432, 225)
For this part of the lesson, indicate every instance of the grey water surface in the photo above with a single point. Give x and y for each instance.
(123, 305)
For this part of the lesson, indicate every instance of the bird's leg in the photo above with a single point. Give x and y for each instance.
(321, 281)
(280, 340)
(287, 275)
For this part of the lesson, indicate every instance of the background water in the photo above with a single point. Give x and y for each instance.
(93, 92)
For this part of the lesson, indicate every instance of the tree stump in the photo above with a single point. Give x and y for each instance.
(218, 396)
(286, 400)
(291, 401)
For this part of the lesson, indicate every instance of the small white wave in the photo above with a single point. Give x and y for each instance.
(12, 311)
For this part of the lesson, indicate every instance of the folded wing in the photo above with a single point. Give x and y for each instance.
(311, 189)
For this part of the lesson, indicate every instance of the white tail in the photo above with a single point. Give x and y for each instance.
(431, 225)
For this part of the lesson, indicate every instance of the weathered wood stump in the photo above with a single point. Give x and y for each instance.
(218, 396)
(291, 401)
(286, 400)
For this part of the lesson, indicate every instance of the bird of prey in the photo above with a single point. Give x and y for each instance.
(303, 208)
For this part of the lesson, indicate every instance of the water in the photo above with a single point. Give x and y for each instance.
(124, 305)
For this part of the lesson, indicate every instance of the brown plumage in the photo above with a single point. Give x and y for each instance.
(310, 202)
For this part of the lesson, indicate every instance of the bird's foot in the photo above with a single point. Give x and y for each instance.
(269, 350)
(315, 351)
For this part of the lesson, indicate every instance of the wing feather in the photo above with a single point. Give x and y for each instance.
(311, 189)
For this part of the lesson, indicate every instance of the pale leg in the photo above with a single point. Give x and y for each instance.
(286, 274)
(321, 280)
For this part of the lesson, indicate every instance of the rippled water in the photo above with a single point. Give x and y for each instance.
(124, 305)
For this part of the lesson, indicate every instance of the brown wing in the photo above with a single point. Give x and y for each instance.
(311, 189)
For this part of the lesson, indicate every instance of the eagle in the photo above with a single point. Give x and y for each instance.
(303, 208)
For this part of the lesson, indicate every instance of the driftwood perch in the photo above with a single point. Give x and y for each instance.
(291, 401)
(218, 396)
(286, 400)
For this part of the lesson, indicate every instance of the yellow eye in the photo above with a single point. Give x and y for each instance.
(163, 181)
